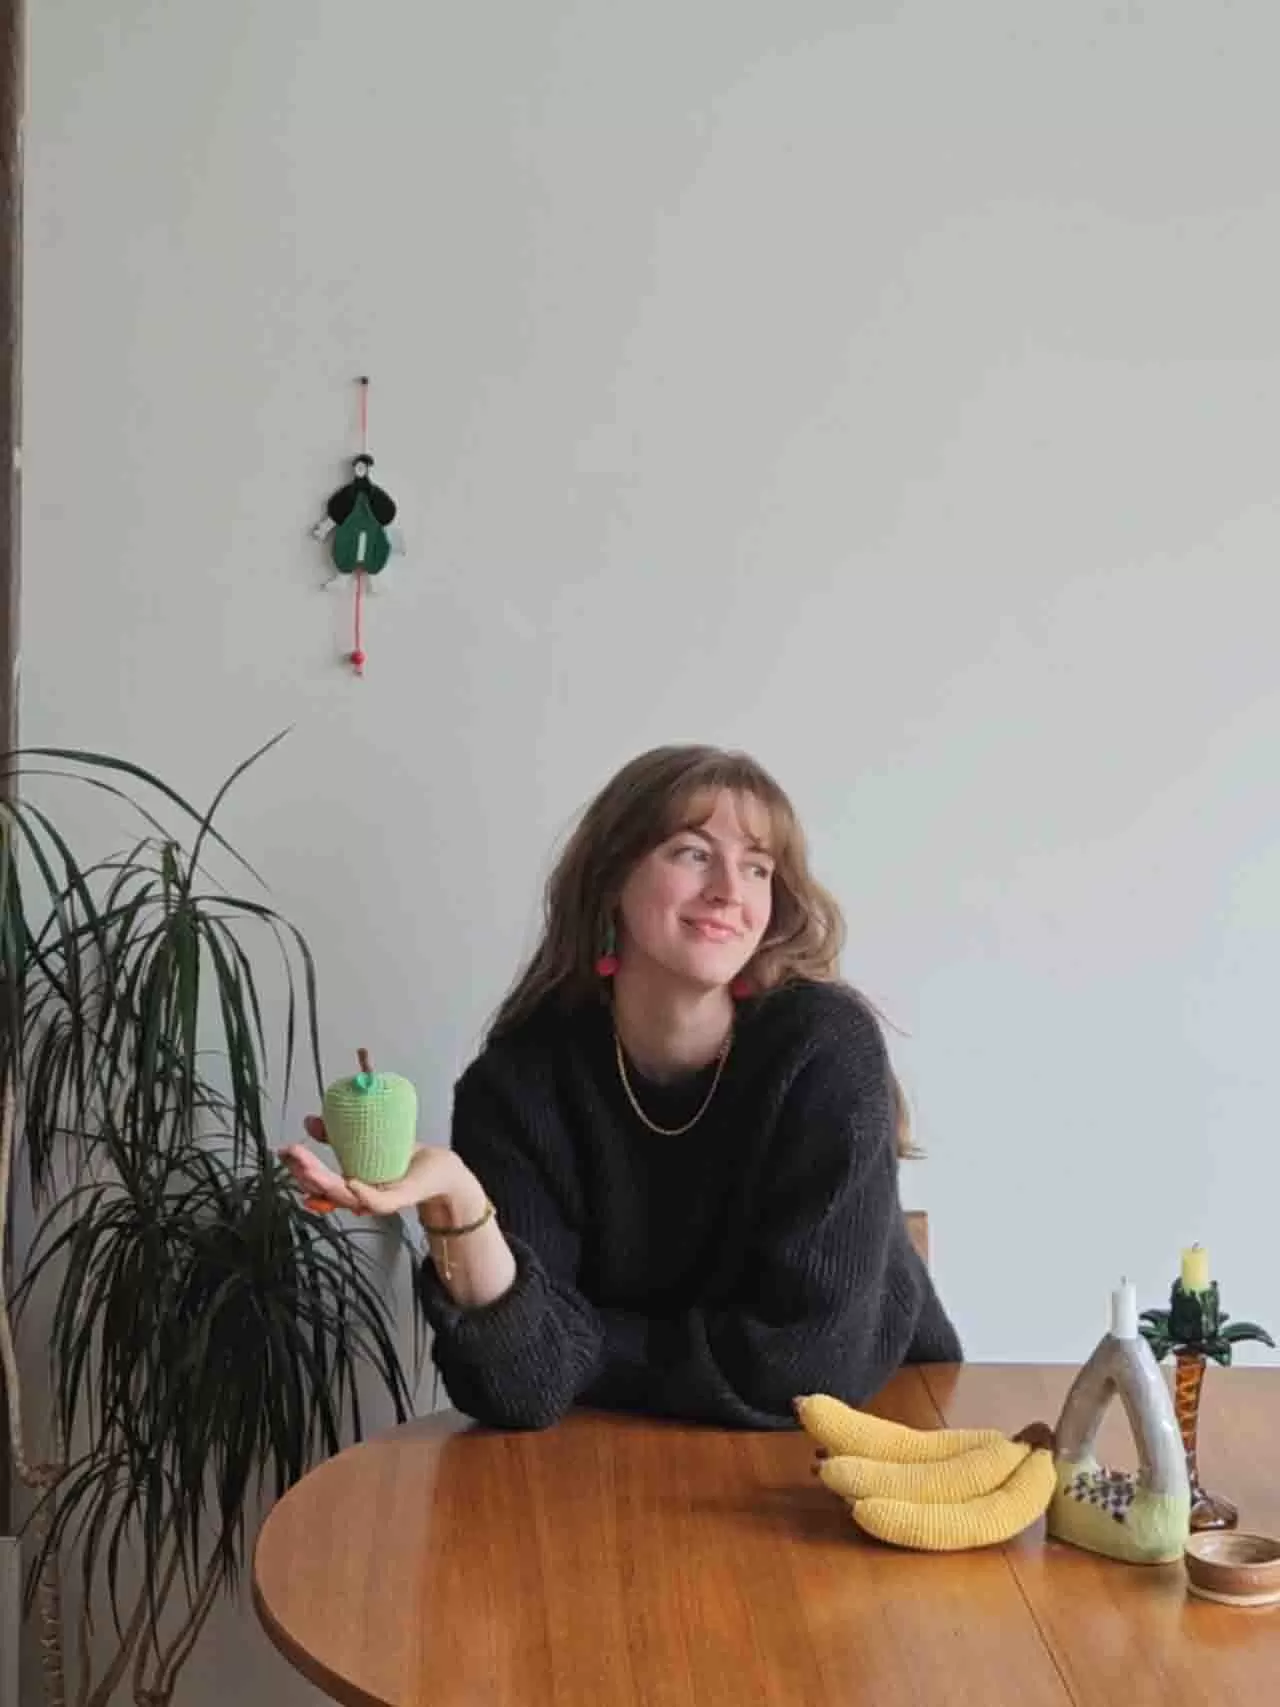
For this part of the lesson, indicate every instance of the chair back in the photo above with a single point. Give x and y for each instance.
(918, 1232)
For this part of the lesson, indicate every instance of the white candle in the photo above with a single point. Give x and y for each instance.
(1124, 1311)
(1195, 1269)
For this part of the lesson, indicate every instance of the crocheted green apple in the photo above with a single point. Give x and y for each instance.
(371, 1121)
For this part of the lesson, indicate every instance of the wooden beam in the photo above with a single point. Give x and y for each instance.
(13, 78)
(12, 113)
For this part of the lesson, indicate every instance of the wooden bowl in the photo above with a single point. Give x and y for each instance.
(1236, 1570)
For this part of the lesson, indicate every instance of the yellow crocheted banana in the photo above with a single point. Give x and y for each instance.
(936, 1481)
(844, 1432)
(937, 1490)
(982, 1522)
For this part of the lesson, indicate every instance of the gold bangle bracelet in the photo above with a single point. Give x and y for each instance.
(448, 1233)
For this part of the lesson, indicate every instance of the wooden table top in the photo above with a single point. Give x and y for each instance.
(620, 1562)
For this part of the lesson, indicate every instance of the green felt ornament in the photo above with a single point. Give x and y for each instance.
(360, 514)
(360, 541)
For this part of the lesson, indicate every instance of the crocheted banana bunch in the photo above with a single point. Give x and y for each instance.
(937, 1490)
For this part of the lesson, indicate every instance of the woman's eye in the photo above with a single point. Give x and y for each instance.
(763, 872)
(693, 852)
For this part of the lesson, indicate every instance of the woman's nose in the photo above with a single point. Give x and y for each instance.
(725, 882)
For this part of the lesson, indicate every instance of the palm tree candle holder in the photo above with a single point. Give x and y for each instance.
(1196, 1328)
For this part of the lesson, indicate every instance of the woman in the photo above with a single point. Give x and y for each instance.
(672, 1185)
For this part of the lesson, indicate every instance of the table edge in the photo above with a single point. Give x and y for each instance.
(330, 1683)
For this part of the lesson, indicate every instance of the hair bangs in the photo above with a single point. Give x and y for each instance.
(764, 813)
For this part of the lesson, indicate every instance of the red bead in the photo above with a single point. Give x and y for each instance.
(740, 989)
(607, 965)
(358, 659)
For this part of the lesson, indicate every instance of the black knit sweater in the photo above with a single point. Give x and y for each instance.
(713, 1276)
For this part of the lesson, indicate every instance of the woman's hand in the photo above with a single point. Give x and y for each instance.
(434, 1172)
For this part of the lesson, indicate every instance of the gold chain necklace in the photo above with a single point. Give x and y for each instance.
(670, 1131)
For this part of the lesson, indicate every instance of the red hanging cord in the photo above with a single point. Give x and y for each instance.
(358, 652)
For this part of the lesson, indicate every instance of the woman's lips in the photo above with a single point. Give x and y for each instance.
(712, 930)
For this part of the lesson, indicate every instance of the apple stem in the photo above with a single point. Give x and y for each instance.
(362, 1056)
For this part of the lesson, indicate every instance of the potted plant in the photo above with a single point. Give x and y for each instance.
(207, 1329)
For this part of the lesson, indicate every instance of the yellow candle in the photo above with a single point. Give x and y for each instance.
(1195, 1269)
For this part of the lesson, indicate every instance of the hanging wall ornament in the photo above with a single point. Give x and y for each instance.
(355, 525)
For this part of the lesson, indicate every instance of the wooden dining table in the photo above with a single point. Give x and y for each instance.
(618, 1561)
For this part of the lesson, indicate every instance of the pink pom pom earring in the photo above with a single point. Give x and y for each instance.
(741, 988)
(607, 964)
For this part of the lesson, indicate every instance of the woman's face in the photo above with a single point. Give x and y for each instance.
(698, 905)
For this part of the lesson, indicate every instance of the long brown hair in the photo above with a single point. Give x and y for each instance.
(649, 800)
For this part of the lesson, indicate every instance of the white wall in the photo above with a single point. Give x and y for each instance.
(891, 389)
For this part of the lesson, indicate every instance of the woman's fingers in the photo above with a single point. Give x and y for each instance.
(302, 1163)
(379, 1199)
(431, 1172)
(314, 1179)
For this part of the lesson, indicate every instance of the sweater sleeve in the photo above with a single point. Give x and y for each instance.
(831, 1296)
(523, 1361)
